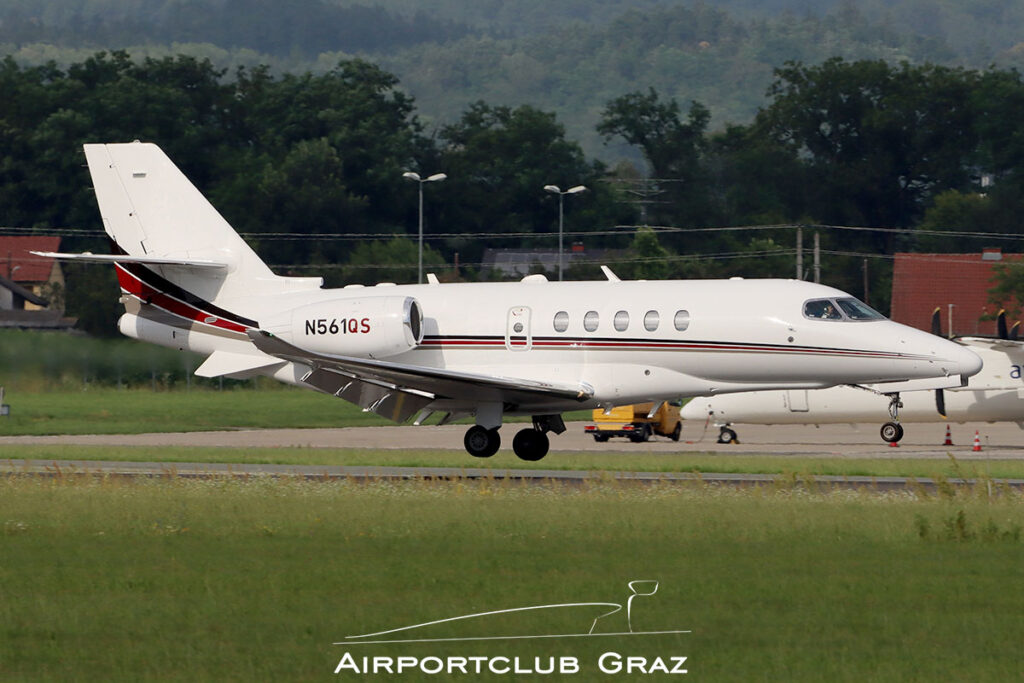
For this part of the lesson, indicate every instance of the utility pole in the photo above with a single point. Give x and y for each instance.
(817, 259)
(799, 252)
(864, 272)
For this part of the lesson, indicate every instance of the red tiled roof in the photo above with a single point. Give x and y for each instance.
(14, 257)
(922, 282)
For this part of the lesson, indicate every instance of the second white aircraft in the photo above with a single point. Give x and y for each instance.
(996, 394)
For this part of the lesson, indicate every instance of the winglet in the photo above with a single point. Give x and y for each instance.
(612, 277)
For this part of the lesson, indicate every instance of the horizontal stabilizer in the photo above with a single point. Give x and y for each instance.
(223, 363)
(145, 260)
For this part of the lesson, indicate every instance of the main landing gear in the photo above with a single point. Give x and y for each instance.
(530, 444)
(482, 442)
(892, 432)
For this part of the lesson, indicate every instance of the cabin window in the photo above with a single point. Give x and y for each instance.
(621, 321)
(561, 321)
(651, 320)
(682, 320)
(590, 321)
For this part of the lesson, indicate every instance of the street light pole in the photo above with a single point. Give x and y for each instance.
(429, 179)
(554, 189)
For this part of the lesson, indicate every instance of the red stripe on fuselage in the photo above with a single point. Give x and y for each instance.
(136, 287)
(499, 342)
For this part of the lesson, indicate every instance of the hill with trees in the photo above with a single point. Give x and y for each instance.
(568, 57)
(866, 126)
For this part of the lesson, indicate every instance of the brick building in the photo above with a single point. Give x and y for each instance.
(922, 282)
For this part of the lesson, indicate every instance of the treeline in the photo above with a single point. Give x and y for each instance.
(568, 57)
(310, 168)
(305, 27)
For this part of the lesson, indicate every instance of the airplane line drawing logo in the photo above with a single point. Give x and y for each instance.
(638, 588)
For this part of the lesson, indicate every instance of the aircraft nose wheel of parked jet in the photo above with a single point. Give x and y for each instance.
(530, 444)
(893, 431)
(726, 435)
(482, 442)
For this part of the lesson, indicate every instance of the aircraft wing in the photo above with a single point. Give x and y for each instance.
(994, 343)
(399, 390)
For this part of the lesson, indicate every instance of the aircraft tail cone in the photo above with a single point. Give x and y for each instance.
(977, 442)
(949, 438)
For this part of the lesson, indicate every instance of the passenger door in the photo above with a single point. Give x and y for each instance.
(517, 329)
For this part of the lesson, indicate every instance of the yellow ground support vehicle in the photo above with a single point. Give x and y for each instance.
(637, 422)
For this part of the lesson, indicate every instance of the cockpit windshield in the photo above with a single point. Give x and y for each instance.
(849, 309)
(858, 310)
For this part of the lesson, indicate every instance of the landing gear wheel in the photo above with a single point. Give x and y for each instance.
(727, 435)
(891, 432)
(677, 432)
(530, 444)
(482, 442)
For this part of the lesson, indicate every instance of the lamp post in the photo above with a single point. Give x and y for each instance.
(429, 179)
(554, 189)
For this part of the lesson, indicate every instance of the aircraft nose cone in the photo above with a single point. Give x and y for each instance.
(696, 409)
(969, 361)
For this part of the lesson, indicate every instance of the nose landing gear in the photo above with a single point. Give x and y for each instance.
(892, 432)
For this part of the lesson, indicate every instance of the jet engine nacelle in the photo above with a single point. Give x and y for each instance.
(366, 327)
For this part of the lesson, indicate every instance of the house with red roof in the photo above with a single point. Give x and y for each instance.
(31, 286)
(957, 284)
(37, 274)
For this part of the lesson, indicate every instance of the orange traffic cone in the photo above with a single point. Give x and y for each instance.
(977, 442)
(949, 438)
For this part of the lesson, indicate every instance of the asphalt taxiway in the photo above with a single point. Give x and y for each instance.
(1004, 440)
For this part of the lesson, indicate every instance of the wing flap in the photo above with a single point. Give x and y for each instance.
(388, 401)
(419, 381)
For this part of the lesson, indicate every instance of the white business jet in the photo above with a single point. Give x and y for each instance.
(534, 347)
(996, 394)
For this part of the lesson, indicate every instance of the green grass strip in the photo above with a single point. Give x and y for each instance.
(239, 581)
(947, 467)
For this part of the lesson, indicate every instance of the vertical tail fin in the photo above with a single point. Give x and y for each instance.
(151, 210)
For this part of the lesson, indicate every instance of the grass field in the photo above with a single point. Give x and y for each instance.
(221, 580)
(138, 411)
(113, 411)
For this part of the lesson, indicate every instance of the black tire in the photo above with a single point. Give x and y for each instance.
(727, 436)
(891, 432)
(530, 444)
(600, 438)
(481, 442)
(641, 435)
(677, 432)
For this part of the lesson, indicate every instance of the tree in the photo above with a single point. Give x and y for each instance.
(673, 149)
(498, 160)
(880, 140)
